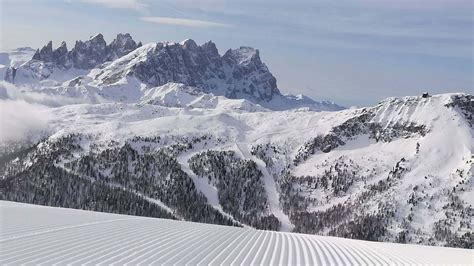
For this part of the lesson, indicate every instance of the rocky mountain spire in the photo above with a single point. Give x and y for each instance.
(120, 46)
(45, 54)
(87, 54)
(60, 55)
(247, 65)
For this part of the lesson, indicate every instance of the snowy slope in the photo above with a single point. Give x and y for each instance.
(403, 167)
(38, 235)
(14, 58)
(180, 95)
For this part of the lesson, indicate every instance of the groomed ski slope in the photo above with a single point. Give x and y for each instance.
(31, 234)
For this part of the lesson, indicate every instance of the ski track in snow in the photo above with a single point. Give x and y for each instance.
(270, 188)
(202, 185)
(114, 185)
(38, 235)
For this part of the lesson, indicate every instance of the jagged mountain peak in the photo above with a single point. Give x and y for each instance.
(63, 45)
(189, 44)
(87, 54)
(45, 53)
(237, 74)
(99, 37)
(124, 40)
(210, 46)
(121, 45)
(124, 37)
(243, 55)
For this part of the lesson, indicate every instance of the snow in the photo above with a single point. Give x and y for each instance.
(39, 74)
(126, 109)
(171, 94)
(118, 80)
(446, 147)
(152, 200)
(31, 234)
(110, 103)
(244, 54)
(270, 187)
(203, 186)
(16, 57)
(179, 95)
(289, 101)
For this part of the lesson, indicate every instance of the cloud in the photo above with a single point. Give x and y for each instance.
(24, 114)
(122, 4)
(22, 121)
(22, 118)
(9, 91)
(184, 22)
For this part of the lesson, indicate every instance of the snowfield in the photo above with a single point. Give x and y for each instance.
(33, 235)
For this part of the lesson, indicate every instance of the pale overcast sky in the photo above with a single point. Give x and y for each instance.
(353, 52)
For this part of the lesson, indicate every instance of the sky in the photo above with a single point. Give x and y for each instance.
(352, 52)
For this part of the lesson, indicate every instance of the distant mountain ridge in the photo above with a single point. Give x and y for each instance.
(88, 54)
(96, 65)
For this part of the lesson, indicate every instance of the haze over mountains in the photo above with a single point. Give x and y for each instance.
(175, 130)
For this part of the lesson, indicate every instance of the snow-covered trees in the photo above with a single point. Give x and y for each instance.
(111, 180)
(240, 188)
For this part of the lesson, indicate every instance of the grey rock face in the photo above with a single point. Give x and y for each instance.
(88, 54)
(247, 67)
(61, 56)
(187, 63)
(45, 54)
(120, 46)
(238, 74)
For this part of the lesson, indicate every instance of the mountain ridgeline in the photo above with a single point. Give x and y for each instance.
(96, 65)
(88, 54)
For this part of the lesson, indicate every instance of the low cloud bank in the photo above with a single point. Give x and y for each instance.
(22, 121)
(22, 118)
(9, 91)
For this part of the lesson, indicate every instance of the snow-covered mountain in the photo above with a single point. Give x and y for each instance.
(14, 58)
(56, 236)
(179, 95)
(125, 70)
(400, 171)
(149, 134)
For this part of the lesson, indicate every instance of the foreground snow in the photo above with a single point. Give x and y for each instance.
(43, 235)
